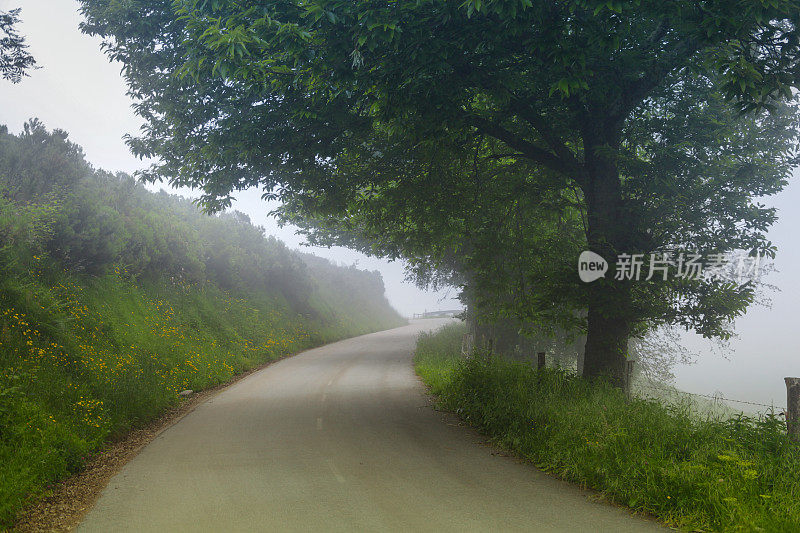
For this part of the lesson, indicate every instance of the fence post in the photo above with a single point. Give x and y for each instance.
(628, 376)
(466, 345)
(540, 362)
(793, 408)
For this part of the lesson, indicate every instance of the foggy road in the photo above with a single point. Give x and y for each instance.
(339, 438)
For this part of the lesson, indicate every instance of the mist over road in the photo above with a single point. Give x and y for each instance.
(339, 438)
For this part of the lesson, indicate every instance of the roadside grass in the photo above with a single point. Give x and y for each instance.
(691, 470)
(86, 359)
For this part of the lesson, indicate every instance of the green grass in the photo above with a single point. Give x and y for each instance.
(691, 471)
(85, 359)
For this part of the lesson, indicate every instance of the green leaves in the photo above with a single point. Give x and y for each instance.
(567, 86)
(15, 60)
(483, 131)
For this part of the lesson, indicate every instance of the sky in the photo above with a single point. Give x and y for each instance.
(79, 90)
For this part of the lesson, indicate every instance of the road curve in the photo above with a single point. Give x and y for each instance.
(339, 438)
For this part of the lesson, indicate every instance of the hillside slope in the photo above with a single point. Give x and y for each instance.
(114, 299)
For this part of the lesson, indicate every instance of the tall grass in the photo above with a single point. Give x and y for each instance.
(691, 471)
(90, 348)
(85, 359)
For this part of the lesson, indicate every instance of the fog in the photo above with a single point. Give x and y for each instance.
(78, 90)
(765, 350)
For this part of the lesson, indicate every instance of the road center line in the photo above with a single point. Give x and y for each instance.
(336, 473)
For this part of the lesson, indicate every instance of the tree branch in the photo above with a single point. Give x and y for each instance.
(533, 118)
(527, 149)
(635, 91)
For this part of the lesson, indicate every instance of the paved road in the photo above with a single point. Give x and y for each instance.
(339, 438)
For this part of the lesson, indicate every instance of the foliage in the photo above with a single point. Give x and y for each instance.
(14, 56)
(113, 299)
(699, 474)
(581, 111)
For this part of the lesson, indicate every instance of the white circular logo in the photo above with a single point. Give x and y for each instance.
(591, 266)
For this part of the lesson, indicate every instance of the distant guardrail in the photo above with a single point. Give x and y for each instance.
(449, 313)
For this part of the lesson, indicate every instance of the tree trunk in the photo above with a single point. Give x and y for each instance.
(609, 303)
(607, 335)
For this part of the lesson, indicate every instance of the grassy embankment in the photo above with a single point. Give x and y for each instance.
(114, 299)
(690, 471)
(83, 360)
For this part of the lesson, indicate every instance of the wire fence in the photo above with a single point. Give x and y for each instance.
(714, 397)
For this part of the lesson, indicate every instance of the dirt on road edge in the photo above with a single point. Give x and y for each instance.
(64, 505)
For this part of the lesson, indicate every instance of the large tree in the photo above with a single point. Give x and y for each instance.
(459, 212)
(285, 94)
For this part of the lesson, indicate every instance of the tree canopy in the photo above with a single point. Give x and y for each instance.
(54, 204)
(494, 140)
